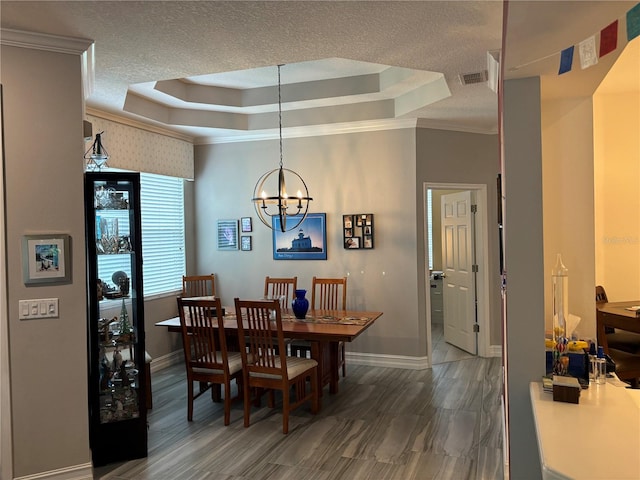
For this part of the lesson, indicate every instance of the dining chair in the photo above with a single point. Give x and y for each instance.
(205, 352)
(198, 286)
(281, 288)
(265, 367)
(326, 294)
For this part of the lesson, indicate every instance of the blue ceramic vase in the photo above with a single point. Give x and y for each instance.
(300, 304)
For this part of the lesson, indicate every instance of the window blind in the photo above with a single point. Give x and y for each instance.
(162, 207)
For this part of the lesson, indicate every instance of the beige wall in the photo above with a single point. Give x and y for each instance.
(524, 263)
(366, 172)
(617, 182)
(44, 194)
(568, 203)
(457, 157)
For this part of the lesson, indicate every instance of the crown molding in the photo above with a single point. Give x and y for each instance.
(112, 117)
(313, 131)
(43, 41)
(437, 125)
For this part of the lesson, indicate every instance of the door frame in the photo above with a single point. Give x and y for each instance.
(481, 240)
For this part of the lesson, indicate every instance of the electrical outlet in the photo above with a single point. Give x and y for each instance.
(38, 308)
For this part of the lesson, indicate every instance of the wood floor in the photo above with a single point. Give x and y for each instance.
(440, 423)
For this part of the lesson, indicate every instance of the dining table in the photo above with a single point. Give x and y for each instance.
(620, 315)
(323, 329)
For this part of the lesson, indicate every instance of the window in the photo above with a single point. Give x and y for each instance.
(162, 206)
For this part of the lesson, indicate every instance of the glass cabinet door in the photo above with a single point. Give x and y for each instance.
(115, 313)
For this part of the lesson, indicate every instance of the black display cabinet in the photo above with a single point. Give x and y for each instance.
(115, 312)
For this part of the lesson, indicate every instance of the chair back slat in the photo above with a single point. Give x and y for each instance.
(203, 336)
(261, 337)
(601, 295)
(198, 286)
(329, 293)
(281, 288)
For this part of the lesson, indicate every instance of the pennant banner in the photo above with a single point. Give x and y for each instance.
(609, 38)
(633, 22)
(566, 59)
(587, 50)
(608, 43)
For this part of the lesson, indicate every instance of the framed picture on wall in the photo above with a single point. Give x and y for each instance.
(245, 243)
(246, 224)
(227, 234)
(46, 259)
(308, 241)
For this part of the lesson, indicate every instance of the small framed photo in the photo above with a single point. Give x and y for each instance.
(352, 242)
(245, 243)
(227, 234)
(46, 259)
(246, 224)
(346, 220)
(368, 241)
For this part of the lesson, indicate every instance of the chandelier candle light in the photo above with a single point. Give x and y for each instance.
(281, 205)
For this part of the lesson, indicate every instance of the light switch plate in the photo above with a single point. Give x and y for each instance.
(38, 308)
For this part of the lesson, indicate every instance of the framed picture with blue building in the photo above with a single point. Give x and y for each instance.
(306, 241)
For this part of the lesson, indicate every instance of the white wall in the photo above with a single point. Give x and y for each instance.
(44, 194)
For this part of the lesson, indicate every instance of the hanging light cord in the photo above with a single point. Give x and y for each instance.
(280, 113)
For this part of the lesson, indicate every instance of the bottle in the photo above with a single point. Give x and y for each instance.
(593, 362)
(560, 284)
(601, 375)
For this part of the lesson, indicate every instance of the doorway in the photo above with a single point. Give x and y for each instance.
(439, 351)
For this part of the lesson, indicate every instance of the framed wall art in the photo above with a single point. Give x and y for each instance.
(245, 243)
(308, 241)
(46, 259)
(357, 230)
(245, 222)
(227, 234)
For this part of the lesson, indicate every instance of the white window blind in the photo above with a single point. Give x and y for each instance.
(162, 207)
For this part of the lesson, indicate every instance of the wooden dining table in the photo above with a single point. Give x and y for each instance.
(324, 329)
(620, 315)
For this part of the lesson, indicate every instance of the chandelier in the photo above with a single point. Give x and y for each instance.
(281, 205)
(97, 155)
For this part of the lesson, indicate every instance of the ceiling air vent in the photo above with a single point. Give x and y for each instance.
(472, 78)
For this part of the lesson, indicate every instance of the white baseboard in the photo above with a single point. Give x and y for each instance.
(495, 350)
(77, 472)
(165, 361)
(401, 361)
(356, 358)
(389, 361)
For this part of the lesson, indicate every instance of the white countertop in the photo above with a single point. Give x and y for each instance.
(599, 438)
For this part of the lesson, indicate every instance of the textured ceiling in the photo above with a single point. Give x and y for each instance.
(140, 43)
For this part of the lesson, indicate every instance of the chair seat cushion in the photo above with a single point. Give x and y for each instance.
(235, 364)
(295, 367)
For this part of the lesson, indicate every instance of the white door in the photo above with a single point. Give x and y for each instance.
(458, 287)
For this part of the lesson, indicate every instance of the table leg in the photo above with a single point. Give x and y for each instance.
(326, 354)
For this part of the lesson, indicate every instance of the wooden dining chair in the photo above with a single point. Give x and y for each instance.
(267, 368)
(326, 294)
(198, 286)
(205, 352)
(281, 288)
